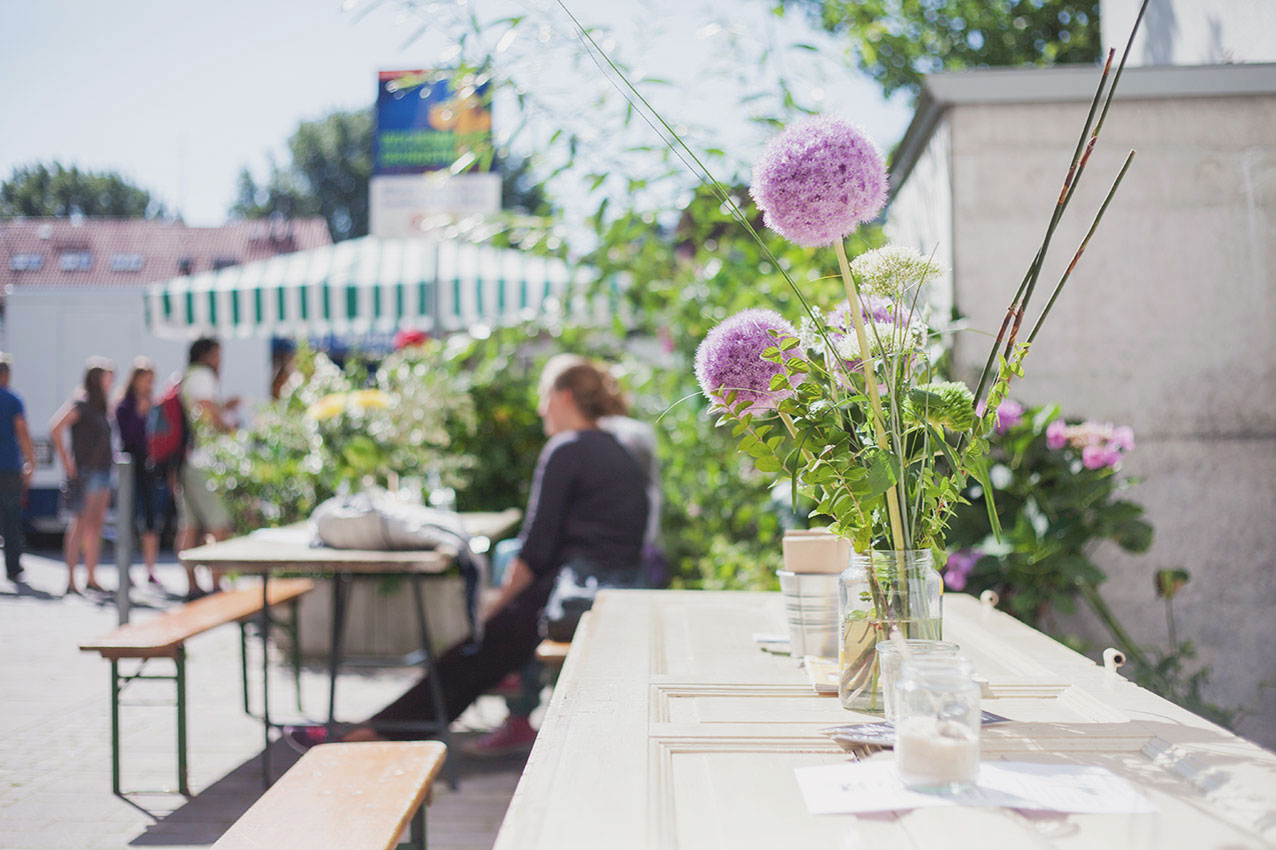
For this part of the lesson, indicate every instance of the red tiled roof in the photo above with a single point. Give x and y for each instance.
(114, 245)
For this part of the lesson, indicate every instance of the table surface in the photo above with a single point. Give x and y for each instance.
(259, 553)
(670, 728)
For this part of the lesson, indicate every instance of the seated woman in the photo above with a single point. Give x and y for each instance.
(587, 510)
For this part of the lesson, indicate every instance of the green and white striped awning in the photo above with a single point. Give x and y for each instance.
(372, 285)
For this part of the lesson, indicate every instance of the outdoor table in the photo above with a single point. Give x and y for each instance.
(670, 728)
(274, 555)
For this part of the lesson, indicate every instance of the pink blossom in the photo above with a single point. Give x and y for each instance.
(958, 568)
(1123, 436)
(1009, 414)
(1057, 435)
(1099, 456)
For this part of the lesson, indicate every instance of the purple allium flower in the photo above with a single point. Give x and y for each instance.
(1009, 414)
(1056, 435)
(731, 357)
(958, 568)
(818, 180)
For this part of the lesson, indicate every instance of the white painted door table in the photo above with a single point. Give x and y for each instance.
(670, 728)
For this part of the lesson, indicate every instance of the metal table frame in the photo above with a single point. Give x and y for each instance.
(341, 580)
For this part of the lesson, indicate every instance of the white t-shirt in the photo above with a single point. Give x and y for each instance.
(199, 384)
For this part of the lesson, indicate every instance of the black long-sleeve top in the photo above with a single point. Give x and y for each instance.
(588, 502)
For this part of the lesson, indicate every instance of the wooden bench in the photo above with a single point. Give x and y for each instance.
(165, 636)
(552, 653)
(343, 797)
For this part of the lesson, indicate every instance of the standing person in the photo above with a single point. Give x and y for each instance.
(587, 514)
(87, 467)
(131, 413)
(201, 511)
(17, 463)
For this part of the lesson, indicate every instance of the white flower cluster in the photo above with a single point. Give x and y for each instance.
(891, 270)
(884, 338)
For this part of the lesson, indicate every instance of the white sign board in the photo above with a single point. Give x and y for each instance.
(402, 206)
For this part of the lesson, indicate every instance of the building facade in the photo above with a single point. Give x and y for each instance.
(1167, 323)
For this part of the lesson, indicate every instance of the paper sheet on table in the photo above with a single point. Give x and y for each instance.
(874, 786)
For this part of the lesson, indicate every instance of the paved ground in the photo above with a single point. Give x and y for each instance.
(55, 787)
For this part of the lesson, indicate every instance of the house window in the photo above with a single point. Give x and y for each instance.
(75, 261)
(220, 263)
(185, 265)
(26, 262)
(126, 263)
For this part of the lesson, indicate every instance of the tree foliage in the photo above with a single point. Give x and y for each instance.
(331, 163)
(58, 191)
(897, 42)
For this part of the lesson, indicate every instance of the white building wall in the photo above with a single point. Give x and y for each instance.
(1192, 32)
(921, 217)
(1168, 325)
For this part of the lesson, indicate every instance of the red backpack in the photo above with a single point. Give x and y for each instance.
(168, 432)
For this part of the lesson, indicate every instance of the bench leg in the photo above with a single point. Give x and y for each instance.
(416, 833)
(182, 786)
(296, 650)
(432, 675)
(115, 727)
(243, 662)
(265, 680)
(340, 588)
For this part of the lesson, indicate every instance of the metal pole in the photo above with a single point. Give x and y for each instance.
(125, 501)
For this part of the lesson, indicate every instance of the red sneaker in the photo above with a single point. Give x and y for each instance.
(513, 736)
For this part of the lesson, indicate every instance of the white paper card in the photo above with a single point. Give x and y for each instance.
(874, 786)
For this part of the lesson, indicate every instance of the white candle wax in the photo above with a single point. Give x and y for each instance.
(932, 753)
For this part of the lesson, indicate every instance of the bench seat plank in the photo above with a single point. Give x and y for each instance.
(552, 653)
(162, 635)
(341, 796)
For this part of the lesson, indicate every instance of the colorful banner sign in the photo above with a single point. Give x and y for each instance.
(424, 125)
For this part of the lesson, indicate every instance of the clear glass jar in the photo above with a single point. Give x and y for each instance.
(880, 591)
(937, 724)
(889, 657)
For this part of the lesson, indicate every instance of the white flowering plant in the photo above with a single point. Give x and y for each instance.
(336, 429)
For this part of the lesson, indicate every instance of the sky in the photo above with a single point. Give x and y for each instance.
(179, 96)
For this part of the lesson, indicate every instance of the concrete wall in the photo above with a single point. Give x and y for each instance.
(1168, 325)
(1192, 32)
(921, 217)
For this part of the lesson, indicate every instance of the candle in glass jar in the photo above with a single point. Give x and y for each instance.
(935, 753)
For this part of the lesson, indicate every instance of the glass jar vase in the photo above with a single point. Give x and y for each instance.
(882, 590)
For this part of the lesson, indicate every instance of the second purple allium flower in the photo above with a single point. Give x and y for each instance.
(819, 180)
(730, 358)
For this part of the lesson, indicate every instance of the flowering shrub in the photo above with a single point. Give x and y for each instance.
(337, 429)
(1055, 506)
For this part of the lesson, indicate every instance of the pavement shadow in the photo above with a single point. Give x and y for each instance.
(205, 817)
(22, 589)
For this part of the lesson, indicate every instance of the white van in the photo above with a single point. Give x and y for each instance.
(52, 330)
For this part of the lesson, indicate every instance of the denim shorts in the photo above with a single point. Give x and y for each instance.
(83, 485)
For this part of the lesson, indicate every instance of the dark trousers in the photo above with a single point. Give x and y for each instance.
(11, 521)
(467, 671)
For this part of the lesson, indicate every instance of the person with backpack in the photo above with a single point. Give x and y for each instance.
(132, 412)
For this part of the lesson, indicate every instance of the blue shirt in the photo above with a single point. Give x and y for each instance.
(10, 407)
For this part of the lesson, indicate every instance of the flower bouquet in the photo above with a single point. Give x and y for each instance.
(848, 404)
